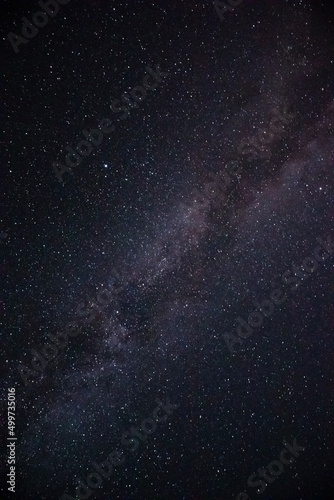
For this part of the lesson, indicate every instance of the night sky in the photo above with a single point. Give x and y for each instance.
(167, 248)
